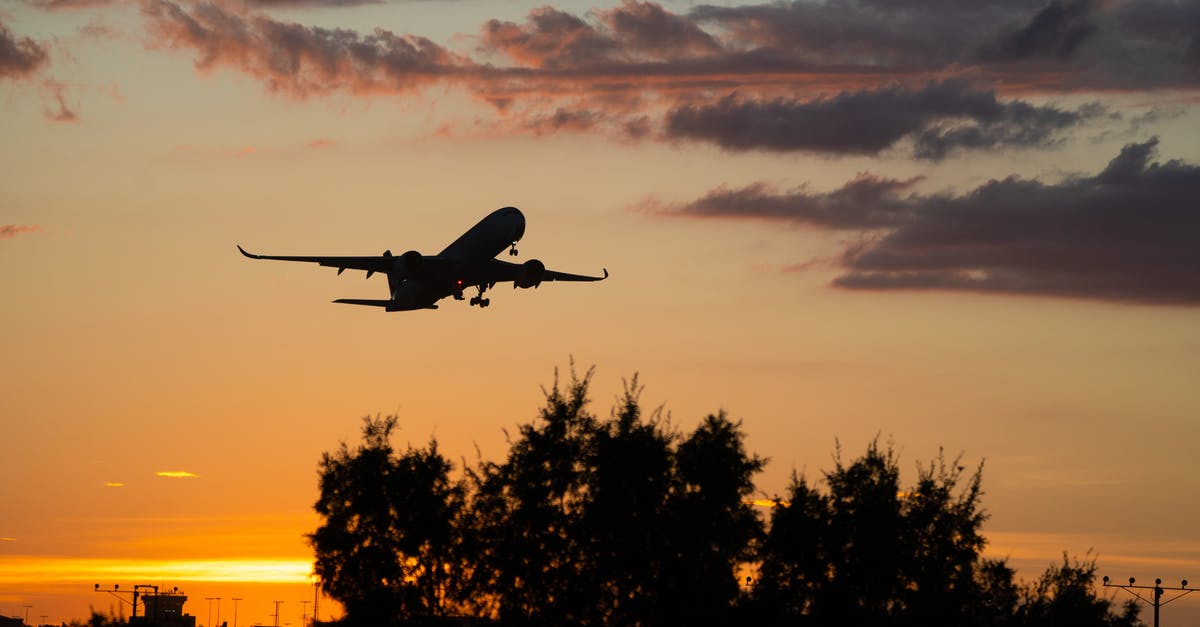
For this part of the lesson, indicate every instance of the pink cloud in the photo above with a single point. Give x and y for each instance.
(9, 231)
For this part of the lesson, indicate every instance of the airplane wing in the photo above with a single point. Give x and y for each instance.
(497, 271)
(372, 264)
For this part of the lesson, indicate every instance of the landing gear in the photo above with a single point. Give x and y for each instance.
(512, 250)
(480, 300)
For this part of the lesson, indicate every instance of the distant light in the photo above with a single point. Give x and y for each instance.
(114, 484)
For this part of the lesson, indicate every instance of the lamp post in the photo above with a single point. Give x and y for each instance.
(210, 600)
(304, 613)
(27, 614)
(235, 602)
(1157, 592)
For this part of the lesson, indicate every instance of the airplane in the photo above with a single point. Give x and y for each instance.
(417, 281)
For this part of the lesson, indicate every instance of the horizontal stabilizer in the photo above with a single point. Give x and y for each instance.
(389, 305)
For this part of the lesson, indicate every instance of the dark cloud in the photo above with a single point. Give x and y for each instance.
(646, 31)
(1054, 32)
(866, 202)
(20, 57)
(1053, 46)
(940, 117)
(1128, 234)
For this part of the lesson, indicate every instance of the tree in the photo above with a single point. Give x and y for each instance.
(714, 527)
(527, 513)
(1065, 595)
(617, 521)
(627, 517)
(386, 547)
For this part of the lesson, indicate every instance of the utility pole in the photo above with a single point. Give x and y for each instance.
(27, 614)
(235, 602)
(1156, 590)
(276, 614)
(304, 613)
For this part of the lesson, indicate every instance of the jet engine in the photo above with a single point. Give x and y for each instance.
(410, 262)
(531, 274)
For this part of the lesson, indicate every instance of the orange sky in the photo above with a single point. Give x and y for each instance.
(136, 154)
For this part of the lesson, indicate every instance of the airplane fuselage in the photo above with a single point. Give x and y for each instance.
(497, 231)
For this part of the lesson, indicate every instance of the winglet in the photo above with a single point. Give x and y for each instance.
(243, 251)
(605, 273)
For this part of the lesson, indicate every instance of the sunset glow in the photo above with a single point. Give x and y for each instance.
(18, 569)
(970, 230)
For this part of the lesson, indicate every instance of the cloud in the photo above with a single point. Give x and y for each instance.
(824, 76)
(312, 3)
(1055, 32)
(863, 203)
(19, 57)
(295, 59)
(59, 112)
(8, 231)
(176, 474)
(1131, 233)
(940, 117)
(68, 5)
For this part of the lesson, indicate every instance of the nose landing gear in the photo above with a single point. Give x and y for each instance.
(512, 250)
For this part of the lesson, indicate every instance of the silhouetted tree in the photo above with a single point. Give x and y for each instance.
(624, 521)
(714, 527)
(1065, 595)
(627, 514)
(528, 511)
(871, 553)
(386, 547)
(617, 522)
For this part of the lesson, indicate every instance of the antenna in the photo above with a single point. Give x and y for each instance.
(1158, 590)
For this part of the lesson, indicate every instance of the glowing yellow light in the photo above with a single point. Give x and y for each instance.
(176, 474)
(766, 503)
(114, 484)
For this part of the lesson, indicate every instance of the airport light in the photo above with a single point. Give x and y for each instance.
(1157, 591)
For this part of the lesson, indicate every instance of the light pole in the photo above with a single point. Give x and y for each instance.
(1157, 589)
(304, 613)
(235, 602)
(210, 600)
(27, 614)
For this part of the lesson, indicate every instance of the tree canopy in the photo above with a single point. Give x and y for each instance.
(625, 520)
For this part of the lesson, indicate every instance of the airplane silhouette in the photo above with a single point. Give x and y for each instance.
(417, 281)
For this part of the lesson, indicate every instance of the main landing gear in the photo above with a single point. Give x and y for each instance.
(512, 250)
(480, 300)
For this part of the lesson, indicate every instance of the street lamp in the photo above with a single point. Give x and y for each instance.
(235, 602)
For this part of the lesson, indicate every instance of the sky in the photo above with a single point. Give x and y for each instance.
(946, 225)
